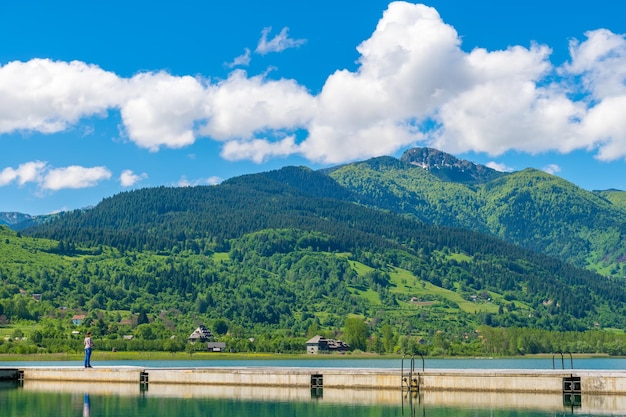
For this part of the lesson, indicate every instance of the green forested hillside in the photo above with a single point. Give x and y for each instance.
(551, 215)
(399, 187)
(616, 197)
(274, 257)
(529, 208)
(418, 254)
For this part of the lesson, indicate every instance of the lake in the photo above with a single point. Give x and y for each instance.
(461, 363)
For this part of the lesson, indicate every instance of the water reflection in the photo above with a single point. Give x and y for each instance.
(115, 399)
(86, 405)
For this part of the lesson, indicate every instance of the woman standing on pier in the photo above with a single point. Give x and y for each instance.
(88, 347)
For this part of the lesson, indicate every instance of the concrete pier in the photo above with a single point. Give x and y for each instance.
(8, 374)
(595, 392)
(589, 404)
(466, 380)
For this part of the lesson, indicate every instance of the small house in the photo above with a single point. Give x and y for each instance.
(319, 344)
(77, 319)
(216, 346)
(201, 334)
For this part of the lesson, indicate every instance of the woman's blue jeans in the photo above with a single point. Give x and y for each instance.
(87, 357)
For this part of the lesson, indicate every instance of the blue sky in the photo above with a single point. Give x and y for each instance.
(98, 98)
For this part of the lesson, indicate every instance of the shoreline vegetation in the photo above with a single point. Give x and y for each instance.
(182, 356)
(203, 356)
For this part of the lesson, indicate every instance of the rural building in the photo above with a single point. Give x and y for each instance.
(201, 334)
(216, 346)
(78, 319)
(319, 344)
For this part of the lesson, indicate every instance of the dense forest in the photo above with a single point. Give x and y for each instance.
(269, 260)
(529, 208)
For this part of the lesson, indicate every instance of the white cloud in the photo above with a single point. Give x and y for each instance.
(48, 178)
(242, 106)
(160, 109)
(128, 178)
(74, 177)
(552, 169)
(414, 85)
(605, 126)
(601, 61)
(242, 60)
(259, 150)
(48, 96)
(214, 180)
(278, 43)
(412, 71)
(408, 68)
(27, 172)
(184, 182)
(498, 166)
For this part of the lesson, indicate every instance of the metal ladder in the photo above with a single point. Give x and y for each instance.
(409, 381)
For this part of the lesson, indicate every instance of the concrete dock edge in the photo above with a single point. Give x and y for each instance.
(530, 381)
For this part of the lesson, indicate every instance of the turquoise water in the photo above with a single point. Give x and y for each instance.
(475, 363)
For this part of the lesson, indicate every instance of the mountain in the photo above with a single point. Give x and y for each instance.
(530, 208)
(19, 221)
(361, 258)
(278, 253)
(449, 168)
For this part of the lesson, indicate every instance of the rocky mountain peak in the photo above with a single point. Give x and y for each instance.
(448, 167)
